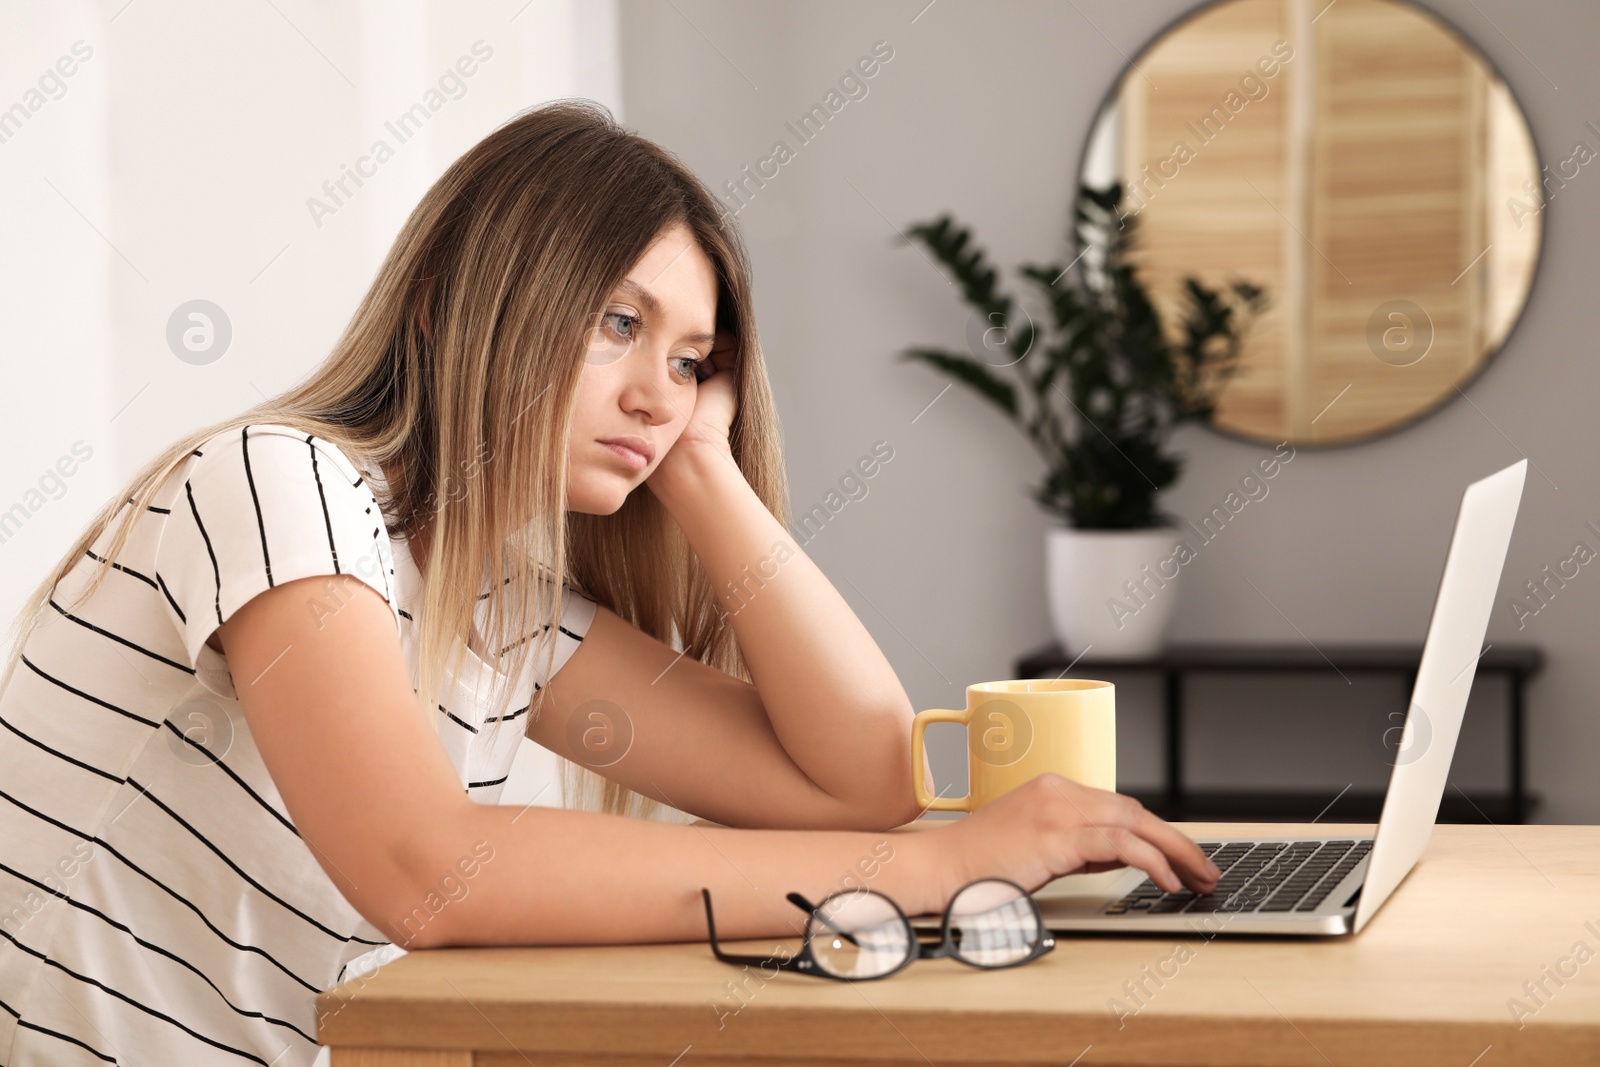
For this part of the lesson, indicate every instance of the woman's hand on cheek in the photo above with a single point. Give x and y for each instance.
(715, 401)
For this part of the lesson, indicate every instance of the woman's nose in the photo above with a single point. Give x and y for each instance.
(644, 386)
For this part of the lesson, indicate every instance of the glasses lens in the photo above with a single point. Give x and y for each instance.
(993, 923)
(859, 934)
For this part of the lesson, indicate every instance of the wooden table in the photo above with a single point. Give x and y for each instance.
(1432, 980)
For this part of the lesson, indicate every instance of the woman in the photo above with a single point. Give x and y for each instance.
(224, 781)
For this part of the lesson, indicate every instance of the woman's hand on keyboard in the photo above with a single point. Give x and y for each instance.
(1051, 826)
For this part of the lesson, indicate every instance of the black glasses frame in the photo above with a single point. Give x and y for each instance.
(804, 962)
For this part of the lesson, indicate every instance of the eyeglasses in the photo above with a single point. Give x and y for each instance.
(860, 934)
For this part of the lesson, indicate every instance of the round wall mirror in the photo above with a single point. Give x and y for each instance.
(1361, 162)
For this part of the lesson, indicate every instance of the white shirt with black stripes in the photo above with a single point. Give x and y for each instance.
(157, 904)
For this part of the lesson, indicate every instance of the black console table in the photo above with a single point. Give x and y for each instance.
(1175, 801)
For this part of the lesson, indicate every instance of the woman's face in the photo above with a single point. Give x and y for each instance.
(639, 376)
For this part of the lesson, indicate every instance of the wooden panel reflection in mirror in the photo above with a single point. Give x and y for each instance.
(1361, 161)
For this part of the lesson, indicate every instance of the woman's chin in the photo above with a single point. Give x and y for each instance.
(600, 500)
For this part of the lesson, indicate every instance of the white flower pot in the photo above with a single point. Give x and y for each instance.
(1110, 596)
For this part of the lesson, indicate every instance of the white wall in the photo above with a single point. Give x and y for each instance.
(56, 282)
(983, 111)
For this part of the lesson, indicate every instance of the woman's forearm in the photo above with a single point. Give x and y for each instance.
(503, 875)
(833, 699)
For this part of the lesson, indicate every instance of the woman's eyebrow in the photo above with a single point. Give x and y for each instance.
(652, 306)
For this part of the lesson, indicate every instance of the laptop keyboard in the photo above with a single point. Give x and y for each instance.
(1260, 876)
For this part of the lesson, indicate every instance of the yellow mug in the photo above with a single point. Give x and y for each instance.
(1017, 730)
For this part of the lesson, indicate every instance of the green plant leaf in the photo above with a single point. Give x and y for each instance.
(970, 372)
(1111, 377)
(947, 241)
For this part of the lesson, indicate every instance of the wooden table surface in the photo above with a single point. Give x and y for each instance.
(1490, 919)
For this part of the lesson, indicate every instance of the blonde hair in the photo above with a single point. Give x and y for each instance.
(465, 356)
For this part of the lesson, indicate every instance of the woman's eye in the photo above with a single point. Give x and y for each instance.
(691, 369)
(632, 323)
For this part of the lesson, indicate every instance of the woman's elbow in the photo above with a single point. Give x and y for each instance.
(883, 813)
(428, 897)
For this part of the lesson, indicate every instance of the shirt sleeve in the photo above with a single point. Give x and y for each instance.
(261, 506)
(577, 612)
(566, 634)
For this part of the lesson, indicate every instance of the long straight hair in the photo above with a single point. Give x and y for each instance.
(457, 374)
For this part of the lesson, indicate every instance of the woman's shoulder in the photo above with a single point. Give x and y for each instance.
(256, 478)
(270, 441)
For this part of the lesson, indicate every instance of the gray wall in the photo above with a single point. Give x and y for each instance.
(982, 111)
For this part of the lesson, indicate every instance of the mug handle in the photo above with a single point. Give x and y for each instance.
(919, 724)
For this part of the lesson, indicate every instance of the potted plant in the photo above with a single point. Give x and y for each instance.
(1105, 382)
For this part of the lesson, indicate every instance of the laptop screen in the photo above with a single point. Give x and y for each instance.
(1449, 660)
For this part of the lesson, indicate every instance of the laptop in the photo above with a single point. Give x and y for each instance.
(1332, 885)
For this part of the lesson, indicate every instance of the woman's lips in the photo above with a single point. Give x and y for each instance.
(634, 459)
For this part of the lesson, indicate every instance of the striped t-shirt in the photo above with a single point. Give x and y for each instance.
(157, 904)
